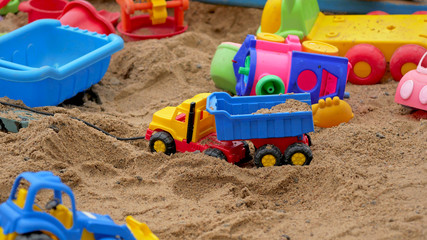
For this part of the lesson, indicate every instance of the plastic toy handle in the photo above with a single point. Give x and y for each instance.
(185, 5)
(24, 7)
(420, 68)
(3, 3)
(21, 73)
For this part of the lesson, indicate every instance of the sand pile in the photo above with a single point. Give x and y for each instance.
(291, 105)
(366, 181)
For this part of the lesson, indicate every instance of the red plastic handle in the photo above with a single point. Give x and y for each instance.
(24, 7)
(3, 3)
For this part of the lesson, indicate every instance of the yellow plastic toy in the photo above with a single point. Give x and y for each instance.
(368, 41)
(319, 48)
(331, 112)
(174, 120)
(270, 37)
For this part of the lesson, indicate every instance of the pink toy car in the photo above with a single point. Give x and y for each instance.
(412, 88)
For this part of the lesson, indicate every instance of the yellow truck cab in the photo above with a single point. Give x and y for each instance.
(188, 128)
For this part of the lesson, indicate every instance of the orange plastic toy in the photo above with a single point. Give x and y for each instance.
(331, 112)
(156, 24)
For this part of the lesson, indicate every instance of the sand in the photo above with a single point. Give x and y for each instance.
(367, 179)
(290, 106)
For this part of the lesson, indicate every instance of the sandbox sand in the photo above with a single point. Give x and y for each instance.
(367, 179)
(291, 105)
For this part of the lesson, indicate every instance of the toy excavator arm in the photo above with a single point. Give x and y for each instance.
(140, 230)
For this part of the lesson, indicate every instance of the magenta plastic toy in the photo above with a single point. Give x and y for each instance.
(265, 67)
(271, 59)
(412, 88)
(39, 9)
(83, 15)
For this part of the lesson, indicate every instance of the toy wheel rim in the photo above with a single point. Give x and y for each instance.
(298, 159)
(268, 160)
(405, 59)
(362, 69)
(159, 146)
(408, 67)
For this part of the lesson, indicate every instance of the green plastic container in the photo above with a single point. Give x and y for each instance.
(222, 72)
(11, 7)
(289, 17)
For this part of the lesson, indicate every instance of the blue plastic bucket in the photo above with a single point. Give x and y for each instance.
(45, 63)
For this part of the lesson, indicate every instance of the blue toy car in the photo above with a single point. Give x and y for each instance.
(23, 218)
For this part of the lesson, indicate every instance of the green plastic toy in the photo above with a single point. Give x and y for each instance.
(299, 17)
(11, 7)
(222, 72)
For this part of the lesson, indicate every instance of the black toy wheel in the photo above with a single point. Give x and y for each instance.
(33, 236)
(267, 156)
(162, 142)
(298, 154)
(309, 139)
(214, 152)
(248, 156)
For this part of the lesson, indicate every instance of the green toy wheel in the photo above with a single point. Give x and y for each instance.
(270, 84)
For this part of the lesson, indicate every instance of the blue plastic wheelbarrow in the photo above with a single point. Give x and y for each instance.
(45, 63)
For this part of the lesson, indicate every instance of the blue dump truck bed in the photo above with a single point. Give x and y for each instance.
(235, 120)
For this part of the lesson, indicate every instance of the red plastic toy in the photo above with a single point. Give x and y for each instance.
(79, 14)
(3, 3)
(83, 15)
(112, 17)
(39, 9)
(155, 25)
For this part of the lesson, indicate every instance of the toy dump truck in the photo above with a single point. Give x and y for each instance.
(23, 218)
(217, 124)
(368, 41)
